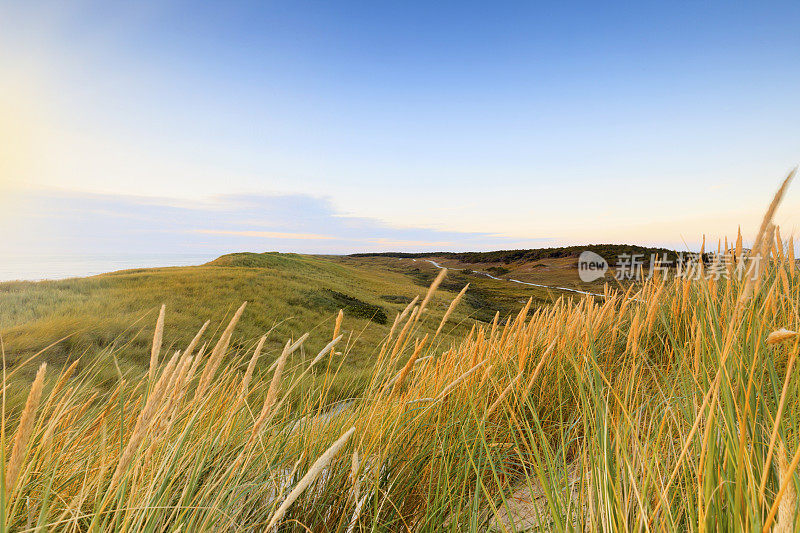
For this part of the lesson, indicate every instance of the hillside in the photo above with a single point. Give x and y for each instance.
(543, 279)
(289, 294)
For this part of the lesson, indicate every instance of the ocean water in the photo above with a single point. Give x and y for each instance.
(41, 267)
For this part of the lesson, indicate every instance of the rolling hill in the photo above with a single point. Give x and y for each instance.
(287, 295)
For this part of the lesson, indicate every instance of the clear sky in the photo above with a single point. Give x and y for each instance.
(353, 126)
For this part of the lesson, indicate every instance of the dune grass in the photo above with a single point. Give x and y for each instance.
(672, 407)
(288, 295)
(291, 291)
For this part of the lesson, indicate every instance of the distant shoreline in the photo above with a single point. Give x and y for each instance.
(44, 267)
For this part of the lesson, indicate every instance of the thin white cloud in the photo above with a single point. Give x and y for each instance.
(389, 243)
(269, 234)
(60, 223)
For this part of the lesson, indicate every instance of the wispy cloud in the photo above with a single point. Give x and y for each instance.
(269, 234)
(399, 243)
(48, 222)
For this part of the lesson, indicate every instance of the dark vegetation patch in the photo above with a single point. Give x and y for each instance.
(397, 298)
(453, 282)
(332, 300)
(497, 270)
(486, 301)
(424, 278)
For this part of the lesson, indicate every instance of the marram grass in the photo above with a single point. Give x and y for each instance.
(670, 407)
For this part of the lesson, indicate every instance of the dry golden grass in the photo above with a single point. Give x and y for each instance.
(669, 407)
(24, 430)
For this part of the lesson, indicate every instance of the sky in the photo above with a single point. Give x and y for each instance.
(212, 127)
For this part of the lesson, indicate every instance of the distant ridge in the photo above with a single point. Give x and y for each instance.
(608, 251)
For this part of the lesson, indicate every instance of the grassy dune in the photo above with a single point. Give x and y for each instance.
(288, 295)
(672, 407)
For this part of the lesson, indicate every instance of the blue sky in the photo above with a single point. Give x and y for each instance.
(450, 125)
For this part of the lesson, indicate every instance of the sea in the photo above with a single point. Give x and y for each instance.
(44, 267)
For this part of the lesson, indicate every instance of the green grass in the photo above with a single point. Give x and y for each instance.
(287, 294)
